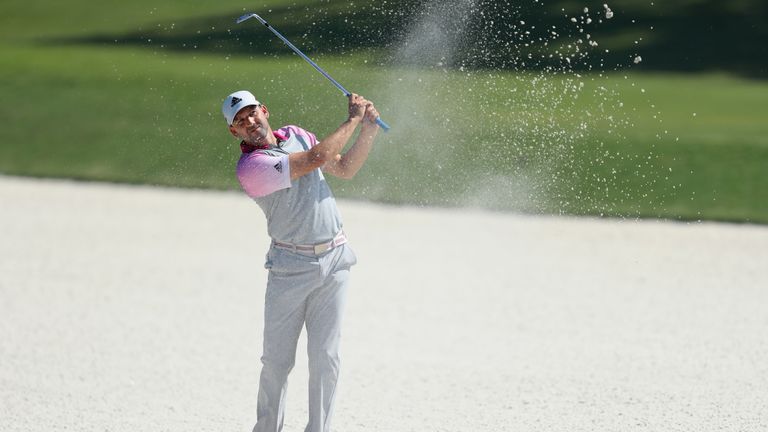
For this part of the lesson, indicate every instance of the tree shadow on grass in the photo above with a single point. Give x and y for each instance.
(695, 36)
(334, 28)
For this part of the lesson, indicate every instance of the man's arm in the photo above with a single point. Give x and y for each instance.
(348, 165)
(302, 163)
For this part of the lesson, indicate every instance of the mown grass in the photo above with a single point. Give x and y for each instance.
(645, 145)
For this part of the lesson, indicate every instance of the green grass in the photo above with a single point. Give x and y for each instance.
(509, 141)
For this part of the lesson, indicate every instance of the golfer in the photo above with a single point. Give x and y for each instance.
(309, 259)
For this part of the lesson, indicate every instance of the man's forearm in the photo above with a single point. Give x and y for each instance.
(356, 156)
(332, 145)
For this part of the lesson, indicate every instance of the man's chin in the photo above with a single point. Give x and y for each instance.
(258, 139)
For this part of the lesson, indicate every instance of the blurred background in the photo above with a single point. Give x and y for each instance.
(624, 109)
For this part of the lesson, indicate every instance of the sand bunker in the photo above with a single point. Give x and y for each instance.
(135, 308)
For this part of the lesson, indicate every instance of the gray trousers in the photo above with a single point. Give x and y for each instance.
(302, 290)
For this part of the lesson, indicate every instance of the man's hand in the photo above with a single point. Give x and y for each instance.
(357, 106)
(370, 116)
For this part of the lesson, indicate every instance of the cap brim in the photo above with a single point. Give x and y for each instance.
(236, 109)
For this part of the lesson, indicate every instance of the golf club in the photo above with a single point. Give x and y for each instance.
(245, 17)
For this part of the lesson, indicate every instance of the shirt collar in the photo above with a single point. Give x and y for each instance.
(249, 148)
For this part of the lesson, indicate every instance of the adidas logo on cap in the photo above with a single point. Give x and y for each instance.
(236, 101)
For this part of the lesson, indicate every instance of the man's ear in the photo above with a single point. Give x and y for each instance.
(233, 132)
(265, 111)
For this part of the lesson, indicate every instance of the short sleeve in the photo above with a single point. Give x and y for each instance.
(261, 174)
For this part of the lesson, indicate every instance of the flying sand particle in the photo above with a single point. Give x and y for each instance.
(608, 11)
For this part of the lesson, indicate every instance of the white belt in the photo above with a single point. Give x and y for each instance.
(316, 249)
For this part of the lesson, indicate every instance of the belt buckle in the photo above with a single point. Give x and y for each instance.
(320, 248)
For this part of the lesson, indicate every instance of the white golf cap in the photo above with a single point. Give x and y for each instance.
(235, 102)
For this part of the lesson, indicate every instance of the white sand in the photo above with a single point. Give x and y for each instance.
(140, 309)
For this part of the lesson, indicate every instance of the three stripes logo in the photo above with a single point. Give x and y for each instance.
(279, 166)
(235, 101)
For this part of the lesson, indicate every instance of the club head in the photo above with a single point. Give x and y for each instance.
(249, 16)
(245, 17)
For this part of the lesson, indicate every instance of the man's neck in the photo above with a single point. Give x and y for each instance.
(270, 141)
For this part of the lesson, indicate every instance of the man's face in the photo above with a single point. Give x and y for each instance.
(251, 125)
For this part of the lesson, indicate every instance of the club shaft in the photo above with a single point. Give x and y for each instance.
(379, 121)
(309, 60)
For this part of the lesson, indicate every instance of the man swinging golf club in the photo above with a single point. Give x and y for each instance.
(309, 260)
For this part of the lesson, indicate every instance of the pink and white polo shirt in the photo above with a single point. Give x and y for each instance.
(300, 211)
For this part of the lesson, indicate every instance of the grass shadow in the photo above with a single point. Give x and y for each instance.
(693, 36)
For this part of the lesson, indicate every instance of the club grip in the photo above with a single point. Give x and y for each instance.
(381, 123)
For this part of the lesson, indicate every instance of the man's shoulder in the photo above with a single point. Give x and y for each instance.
(289, 131)
(263, 172)
(293, 130)
(258, 155)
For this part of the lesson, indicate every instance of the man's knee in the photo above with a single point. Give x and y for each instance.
(278, 365)
(324, 360)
